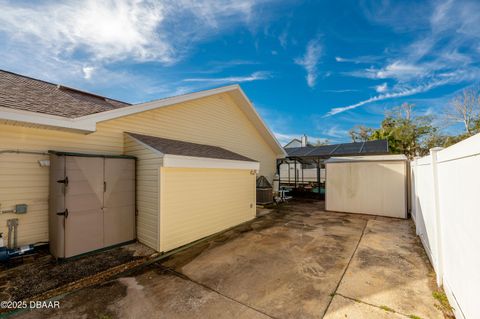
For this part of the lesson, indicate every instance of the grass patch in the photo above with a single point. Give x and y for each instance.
(386, 308)
(441, 297)
(414, 317)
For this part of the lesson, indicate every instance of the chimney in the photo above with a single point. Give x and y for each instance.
(304, 140)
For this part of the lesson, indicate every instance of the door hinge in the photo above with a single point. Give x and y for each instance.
(64, 213)
(63, 181)
(104, 187)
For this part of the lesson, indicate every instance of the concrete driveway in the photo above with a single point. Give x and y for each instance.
(299, 262)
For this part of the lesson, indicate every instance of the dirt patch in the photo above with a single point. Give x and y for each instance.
(46, 273)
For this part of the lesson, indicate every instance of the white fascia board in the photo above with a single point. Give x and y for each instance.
(179, 161)
(147, 106)
(265, 126)
(45, 119)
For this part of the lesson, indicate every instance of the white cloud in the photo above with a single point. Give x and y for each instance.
(88, 72)
(400, 71)
(444, 50)
(61, 38)
(255, 76)
(310, 60)
(382, 88)
(358, 60)
(400, 93)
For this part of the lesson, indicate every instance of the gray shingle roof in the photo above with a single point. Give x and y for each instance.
(175, 147)
(345, 149)
(23, 93)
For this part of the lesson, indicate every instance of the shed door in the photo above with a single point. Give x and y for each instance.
(119, 201)
(195, 203)
(84, 201)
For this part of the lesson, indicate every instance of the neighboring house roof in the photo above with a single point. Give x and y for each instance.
(176, 147)
(345, 149)
(295, 140)
(26, 100)
(23, 93)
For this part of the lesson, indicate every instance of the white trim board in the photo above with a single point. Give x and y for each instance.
(179, 161)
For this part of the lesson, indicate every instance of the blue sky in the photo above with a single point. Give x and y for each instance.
(313, 67)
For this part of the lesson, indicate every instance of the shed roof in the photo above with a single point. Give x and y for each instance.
(372, 158)
(176, 147)
(20, 92)
(345, 149)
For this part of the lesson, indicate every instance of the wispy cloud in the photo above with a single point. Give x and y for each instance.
(310, 60)
(367, 59)
(443, 52)
(381, 88)
(386, 96)
(255, 76)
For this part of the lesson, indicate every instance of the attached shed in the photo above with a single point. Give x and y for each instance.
(375, 185)
(203, 189)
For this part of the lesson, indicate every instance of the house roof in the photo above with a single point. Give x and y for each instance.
(24, 93)
(345, 149)
(294, 140)
(46, 105)
(176, 147)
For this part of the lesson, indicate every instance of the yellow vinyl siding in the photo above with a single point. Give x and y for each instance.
(214, 120)
(147, 168)
(196, 203)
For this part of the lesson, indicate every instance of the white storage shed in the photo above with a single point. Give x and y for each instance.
(376, 185)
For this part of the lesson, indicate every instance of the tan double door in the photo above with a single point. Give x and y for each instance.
(99, 203)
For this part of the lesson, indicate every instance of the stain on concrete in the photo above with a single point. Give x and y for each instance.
(342, 308)
(391, 268)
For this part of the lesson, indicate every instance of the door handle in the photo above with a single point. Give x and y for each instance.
(63, 181)
(64, 213)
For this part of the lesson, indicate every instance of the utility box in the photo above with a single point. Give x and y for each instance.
(264, 191)
(92, 202)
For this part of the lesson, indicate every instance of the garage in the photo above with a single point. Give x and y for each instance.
(375, 185)
(202, 189)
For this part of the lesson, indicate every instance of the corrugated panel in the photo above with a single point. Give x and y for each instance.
(215, 120)
(196, 203)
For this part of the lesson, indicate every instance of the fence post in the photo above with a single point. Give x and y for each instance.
(438, 223)
(413, 192)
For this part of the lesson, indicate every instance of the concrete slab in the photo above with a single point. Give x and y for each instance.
(390, 268)
(342, 308)
(287, 270)
(150, 295)
(286, 264)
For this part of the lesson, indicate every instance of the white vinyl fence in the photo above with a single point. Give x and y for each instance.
(446, 210)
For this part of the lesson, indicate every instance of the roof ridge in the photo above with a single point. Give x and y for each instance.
(59, 86)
